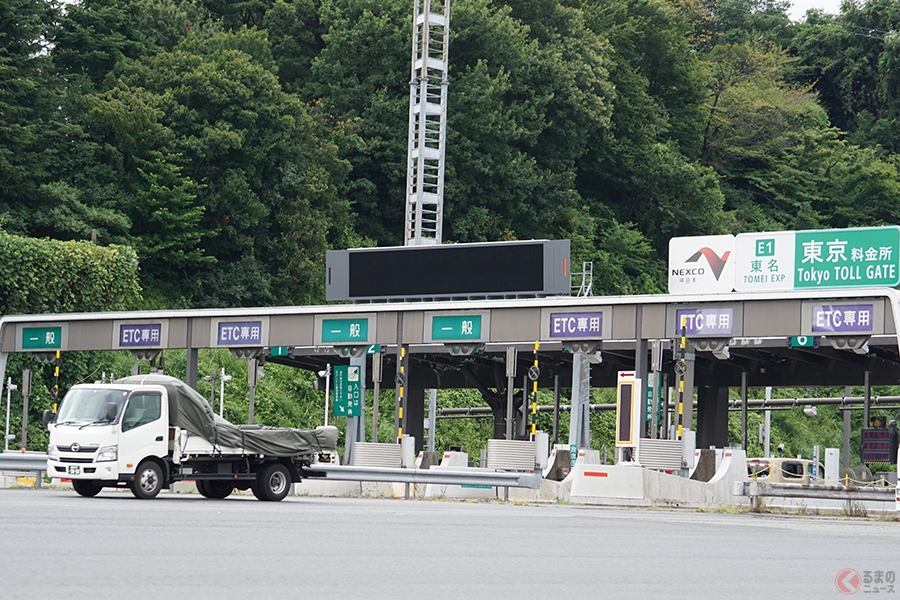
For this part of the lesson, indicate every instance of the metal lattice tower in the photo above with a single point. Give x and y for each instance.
(586, 288)
(427, 123)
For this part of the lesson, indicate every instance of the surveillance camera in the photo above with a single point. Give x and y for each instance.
(781, 447)
(810, 410)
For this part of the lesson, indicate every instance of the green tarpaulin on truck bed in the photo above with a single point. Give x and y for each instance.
(191, 411)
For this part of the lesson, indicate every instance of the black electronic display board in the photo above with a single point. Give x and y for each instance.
(879, 445)
(536, 267)
(624, 433)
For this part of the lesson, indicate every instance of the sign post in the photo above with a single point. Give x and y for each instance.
(26, 392)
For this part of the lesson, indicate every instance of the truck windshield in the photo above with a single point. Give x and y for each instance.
(87, 406)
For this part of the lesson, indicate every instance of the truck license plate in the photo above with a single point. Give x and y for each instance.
(74, 470)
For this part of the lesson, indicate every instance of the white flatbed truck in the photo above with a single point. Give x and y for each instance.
(146, 432)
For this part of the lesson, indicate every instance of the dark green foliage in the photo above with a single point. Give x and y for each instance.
(851, 60)
(26, 106)
(46, 276)
(233, 143)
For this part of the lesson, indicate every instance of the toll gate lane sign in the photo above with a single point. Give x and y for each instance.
(457, 327)
(584, 324)
(346, 330)
(843, 318)
(245, 333)
(36, 337)
(140, 335)
(135, 335)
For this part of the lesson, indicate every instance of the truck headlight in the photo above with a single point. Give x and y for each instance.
(52, 452)
(108, 453)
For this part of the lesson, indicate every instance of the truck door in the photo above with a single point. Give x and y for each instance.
(143, 430)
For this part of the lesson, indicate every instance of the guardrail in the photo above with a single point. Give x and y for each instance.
(850, 494)
(38, 463)
(15, 461)
(434, 476)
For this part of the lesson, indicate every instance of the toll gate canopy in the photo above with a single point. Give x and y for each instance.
(790, 338)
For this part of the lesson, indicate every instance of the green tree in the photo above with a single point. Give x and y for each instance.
(643, 169)
(26, 108)
(267, 165)
(93, 36)
(849, 59)
(769, 141)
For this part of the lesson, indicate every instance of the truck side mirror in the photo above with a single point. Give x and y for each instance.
(46, 417)
(111, 411)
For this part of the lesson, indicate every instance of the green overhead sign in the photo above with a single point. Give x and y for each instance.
(345, 331)
(456, 328)
(803, 341)
(812, 259)
(847, 257)
(42, 338)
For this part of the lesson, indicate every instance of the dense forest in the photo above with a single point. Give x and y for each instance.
(230, 143)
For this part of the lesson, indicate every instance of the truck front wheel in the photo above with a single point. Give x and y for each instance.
(272, 483)
(87, 487)
(147, 480)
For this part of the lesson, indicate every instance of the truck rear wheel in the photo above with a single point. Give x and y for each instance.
(272, 483)
(87, 487)
(215, 489)
(147, 480)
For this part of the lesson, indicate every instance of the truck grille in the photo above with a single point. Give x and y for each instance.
(68, 459)
(90, 449)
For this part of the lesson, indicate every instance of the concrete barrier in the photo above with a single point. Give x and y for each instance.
(607, 481)
(456, 461)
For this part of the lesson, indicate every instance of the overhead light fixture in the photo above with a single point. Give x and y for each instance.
(855, 343)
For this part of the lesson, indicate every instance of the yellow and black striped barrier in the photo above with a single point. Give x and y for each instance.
(534, 389)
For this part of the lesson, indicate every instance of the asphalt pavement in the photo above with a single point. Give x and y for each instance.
(56, 544)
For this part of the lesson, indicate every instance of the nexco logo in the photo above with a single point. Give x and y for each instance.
(716, 263)
(694, 271)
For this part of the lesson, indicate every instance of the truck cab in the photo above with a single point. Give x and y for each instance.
(102, 434)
